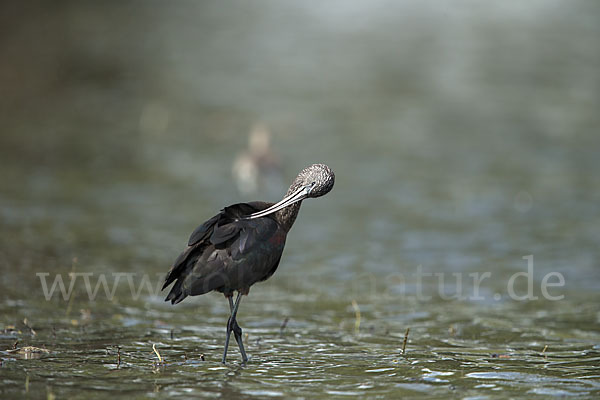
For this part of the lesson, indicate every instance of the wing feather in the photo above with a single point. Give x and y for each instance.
(203, 231)
(198, 269)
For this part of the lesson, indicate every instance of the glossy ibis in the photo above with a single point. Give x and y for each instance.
(242, 245)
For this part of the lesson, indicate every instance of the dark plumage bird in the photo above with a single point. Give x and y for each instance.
(242, 245)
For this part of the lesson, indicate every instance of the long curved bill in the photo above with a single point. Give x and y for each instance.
(295, 197)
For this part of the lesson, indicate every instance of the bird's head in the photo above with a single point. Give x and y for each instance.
(314, 181)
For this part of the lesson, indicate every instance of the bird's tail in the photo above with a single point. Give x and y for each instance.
(176, 294)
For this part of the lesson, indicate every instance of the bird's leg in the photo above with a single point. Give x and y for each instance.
(228, 334)
(237, 331)
(232, 326)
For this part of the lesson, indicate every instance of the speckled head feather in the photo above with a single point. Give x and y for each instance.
(319, 175)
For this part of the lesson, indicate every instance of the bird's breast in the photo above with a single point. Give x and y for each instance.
(278, 239)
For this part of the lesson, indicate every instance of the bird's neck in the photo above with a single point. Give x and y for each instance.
(286, 216)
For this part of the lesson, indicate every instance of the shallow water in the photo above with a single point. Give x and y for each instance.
(465, 152)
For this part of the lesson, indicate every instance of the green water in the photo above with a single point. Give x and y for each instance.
(465, 146)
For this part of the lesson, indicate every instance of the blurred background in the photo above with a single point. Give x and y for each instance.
(464, 136)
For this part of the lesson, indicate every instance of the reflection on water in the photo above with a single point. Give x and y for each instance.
(464, 138)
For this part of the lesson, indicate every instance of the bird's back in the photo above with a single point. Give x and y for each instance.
(227, 253)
